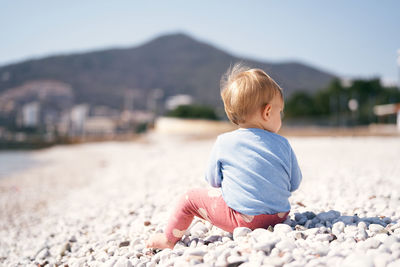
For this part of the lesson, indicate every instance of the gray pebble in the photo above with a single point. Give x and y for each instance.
(240, 232)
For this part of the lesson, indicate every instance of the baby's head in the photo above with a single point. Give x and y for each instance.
(251, 98)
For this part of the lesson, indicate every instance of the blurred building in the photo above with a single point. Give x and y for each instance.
(387, 110)
(173, 102)
(30, 115)
(77, 117)
(99, 126)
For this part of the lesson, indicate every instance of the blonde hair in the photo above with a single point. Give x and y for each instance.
(244, 90)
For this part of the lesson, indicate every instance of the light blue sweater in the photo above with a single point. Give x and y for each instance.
(257, 170)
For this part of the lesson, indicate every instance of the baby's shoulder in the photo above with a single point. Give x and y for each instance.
(256, 136)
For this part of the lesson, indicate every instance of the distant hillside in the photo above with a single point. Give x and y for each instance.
(174, 63)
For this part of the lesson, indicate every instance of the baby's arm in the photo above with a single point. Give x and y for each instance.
(213, 173)
(296, 175)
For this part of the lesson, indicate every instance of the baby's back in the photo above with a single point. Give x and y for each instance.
(257, 171)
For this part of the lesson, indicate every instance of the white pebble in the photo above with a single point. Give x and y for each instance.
(195, 252)
(357, 259)
(376, 228)
(338, 228)
(286, 245)
(381, 260)
(240, 232)
(370, 243)
(282, 228)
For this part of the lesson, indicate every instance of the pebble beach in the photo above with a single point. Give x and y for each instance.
(96, 204)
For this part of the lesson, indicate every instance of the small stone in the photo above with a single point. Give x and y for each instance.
(351, 230)
(357, 259)
(286, 245)
(211, 239)
(264, 246)
(199, 229)
(195, 252)
(282, 228)
(311, 232)
(381, 259)
(371, 243)
(225, 239)
(44, 253)
(300, 228)
(362, 225)
(124, 244)
(109, 262)
(361, 234)
(321, 250)
(323, 237)
(240, 232)
(381, 237)
(394, 247)
(123, 262)
(64, 249)
(234, 260)
(376, 228)
(394, 226)
(299, 235)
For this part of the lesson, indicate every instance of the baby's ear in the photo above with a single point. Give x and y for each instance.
(266, 112)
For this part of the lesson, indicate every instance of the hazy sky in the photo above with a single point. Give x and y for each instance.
(346, 37)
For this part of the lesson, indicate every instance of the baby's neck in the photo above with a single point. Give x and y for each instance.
(247, 125)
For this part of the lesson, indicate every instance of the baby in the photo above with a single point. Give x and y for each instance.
(255, 167)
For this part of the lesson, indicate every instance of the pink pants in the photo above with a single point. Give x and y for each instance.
(209, 205)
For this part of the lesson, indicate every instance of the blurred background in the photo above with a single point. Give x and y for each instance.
(99, 70)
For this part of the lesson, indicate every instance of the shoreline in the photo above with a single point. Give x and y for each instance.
(16, 161)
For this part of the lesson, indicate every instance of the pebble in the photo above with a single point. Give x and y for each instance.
(370, 243)
(357, 259)
(199, 229)
(240, 232)
(376, 228)
(338, 228)
(286, 245)
(361, 234)
(195, 252)
(123, 262)
(43, 254)
(282, 229)
(381, 260)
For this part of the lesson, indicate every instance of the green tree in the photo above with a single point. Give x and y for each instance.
(301, 104)
(193, 112)
(331, 103)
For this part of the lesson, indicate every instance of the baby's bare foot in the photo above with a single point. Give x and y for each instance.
(159, 241)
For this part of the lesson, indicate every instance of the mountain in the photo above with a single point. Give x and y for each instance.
(176, 63)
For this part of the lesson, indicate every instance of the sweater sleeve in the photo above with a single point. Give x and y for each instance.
(213, 172)
(296, 175)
